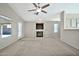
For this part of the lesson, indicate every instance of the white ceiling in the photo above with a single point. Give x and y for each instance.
(54, 9)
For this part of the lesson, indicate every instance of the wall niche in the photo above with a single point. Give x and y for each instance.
(39, 26)
(39, 29)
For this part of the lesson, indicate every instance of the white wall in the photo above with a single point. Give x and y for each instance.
(30, 30)
(69, 36)
(49, 29)
(5, 10)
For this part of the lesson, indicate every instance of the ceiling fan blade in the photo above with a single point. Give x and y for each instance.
(45, 6)
(32, 10)
(43, 11)
(37, 13)
(34, 4)
(38, 4)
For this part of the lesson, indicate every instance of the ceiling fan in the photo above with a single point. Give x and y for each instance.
(39, 9)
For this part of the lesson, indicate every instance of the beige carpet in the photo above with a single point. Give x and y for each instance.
(39, 47)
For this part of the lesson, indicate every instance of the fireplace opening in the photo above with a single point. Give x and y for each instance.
(39, 34)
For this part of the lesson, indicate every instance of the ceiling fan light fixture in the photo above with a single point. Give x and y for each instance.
(38, 10)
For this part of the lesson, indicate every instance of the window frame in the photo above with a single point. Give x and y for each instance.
(70, 23)
(1, 31)
(56, 28)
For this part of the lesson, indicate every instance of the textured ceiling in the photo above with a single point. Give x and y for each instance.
(53, 9)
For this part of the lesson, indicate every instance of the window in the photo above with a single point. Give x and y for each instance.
(55, 28)
(78, 24)
(71, 24)
(0, 30)
(19, 30)
(6, 30)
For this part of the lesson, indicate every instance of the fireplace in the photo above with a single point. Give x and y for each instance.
(39, 34)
